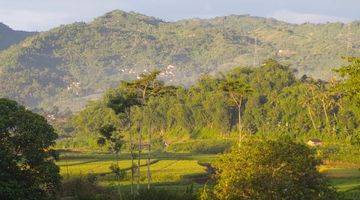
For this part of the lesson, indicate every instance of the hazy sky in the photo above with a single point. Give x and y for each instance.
(39, 15)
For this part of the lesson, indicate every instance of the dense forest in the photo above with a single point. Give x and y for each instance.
(71, 64)
(265, 100)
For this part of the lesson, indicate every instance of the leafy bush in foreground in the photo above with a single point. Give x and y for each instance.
(270, 169)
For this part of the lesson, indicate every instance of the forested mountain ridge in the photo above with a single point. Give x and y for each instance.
(84, 59)
(10, 37)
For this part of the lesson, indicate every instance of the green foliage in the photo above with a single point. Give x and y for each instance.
(119, 173)
(27, 168)
(270, 169)
(279, 103)
(355, 139)
(110, 135)
(85, 188)
(96, 115)
(351, 86)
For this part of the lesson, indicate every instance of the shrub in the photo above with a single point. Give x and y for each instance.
(119, 173)
(270, 169)
(85, 188)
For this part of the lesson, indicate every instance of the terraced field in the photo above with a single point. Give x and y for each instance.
(180, 170)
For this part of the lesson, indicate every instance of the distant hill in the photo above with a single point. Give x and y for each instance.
(10, 37)
(70, 64)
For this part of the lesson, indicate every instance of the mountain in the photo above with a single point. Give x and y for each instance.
(71, 64)
(10, 37)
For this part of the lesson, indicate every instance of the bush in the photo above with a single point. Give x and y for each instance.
(355, 139)
(119, 173)
(270, 169)
(202, 146)
(85, 188)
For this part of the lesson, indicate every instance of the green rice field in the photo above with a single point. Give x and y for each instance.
(179, 170)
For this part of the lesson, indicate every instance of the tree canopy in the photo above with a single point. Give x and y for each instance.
(275, 101)
(27, 169)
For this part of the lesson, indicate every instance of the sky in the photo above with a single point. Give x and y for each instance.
(42, 15)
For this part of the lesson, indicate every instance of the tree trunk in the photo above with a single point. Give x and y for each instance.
(139, 160)
(132, 161)
(148, 163)
(132, 157)
(117, 158)
(325, 112)
(311, 118)
(239, 120)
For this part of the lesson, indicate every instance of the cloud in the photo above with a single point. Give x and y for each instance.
(299, 18)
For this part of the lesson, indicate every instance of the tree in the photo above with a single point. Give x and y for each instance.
(121, 101)
(350, 87)
(137, 93)
(307, 102)
(270, 169)
(145, 87)
(237, 90)
(27, 168)
(110, 136)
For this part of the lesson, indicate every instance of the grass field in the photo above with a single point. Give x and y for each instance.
(181, 170)
(345, 180)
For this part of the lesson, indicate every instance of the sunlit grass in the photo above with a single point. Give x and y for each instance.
(174, 170)
(343, 179)
(85, 166)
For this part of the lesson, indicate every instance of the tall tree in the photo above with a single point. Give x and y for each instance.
(27, 168)
(122, 101)
(307, 102)
(237, 90)
(145, 87)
